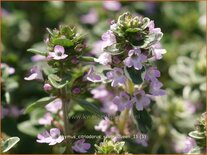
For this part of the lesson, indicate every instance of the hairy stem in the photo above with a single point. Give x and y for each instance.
(123, 120)
(65, 103)
(129, 88)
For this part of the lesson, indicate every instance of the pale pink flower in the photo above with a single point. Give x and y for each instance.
(140, 99)
(54, 106)
(59, 53)
(35, 74)
(90, 18)
(92, 76)
(53, 137)
(81, 146)
(104, 59)
(112, 5)
(46, 119)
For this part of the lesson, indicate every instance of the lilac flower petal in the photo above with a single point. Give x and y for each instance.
(54, 132)
(58, 54)
(135, 58)
(101, 93)
(46, 119)
(151, 74)
(37, 58)
(47, 87)
(122, 101)
(104, 59)
(92, 76)
(54, 106)
(117, 76)
(35, 74)
(103, 125)
(109, 38)
(140, 99)
(90, 18)
(155, 88)
(128, 62)
(59, 49)
(51, 138)
(112, 5)
(81, 146)
(157, 53)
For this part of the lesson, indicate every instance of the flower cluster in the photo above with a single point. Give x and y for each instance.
(130, 48)
(60, 72)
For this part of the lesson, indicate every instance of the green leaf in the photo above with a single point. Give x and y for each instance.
(133, 30)
(136, 76)
(38, 104)
(145, 22)
(151, 39)
(55, 81)
(197, 135)
(114, 49)
(63, 42)
(143, 120)
(27, 127)
(37, 52)
(49, 31)
(197, 150)
(9, 143)
(48, 69)
(8, 97)
(90, 107)
(87, 58)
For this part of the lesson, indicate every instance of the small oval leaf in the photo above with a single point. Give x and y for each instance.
(63, 42)
(38, 104)
(54, 80)
(9, 143)
(136, 76)
(143, 120)
(35, 51)
(90, 107)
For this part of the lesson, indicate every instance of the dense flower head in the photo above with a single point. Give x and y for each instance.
(131, 44)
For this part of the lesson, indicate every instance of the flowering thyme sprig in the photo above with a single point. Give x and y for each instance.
(131, 48)
(63, 78)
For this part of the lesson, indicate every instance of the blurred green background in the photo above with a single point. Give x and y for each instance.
(183, 68)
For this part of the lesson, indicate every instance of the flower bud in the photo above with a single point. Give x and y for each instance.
(74, 60)
(47, 87)
(76, 90)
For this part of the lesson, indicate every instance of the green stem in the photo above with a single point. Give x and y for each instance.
(65, 103)
(122, 120)
(129, 88)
